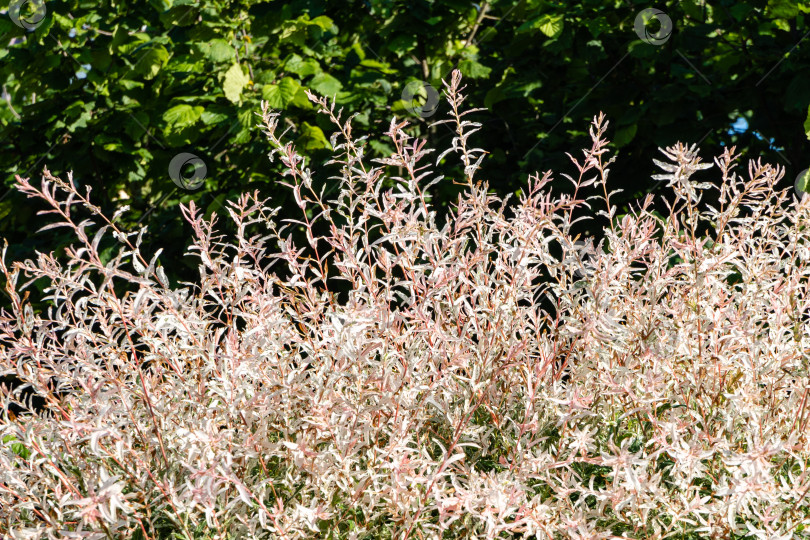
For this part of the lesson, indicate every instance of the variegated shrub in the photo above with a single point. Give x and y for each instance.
(488, 375)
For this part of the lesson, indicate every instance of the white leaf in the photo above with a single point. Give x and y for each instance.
(120, 211)
(139, 267)
(28, 319)
(154, 259)
(161, 275)
(243, 493)
(456, 457)
(97, 237)
(138, 300)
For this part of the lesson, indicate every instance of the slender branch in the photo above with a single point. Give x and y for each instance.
(481, 15)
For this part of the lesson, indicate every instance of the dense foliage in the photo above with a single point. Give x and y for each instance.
(491, 375)
(113, 91)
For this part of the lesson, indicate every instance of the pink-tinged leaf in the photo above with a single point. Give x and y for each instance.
(53, 226)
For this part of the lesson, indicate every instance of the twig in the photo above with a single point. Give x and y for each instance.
(7, 97)
(481, 15)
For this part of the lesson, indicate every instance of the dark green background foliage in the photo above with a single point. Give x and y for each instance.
(113, 90)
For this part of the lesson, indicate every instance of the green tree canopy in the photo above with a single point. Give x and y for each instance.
(114, 91)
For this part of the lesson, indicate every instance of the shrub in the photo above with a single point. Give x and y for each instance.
(491, 376)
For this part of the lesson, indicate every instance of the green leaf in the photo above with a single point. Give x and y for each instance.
(740, 11)
(20, 450)
(79, 112)
(782, 9)
(179, 15)
(278, 96)
(7, 27)
(44, 28)
(403, 44)
(502, 90)
(301, 100)
(185, 64)
(311, 138)
(378, 66)
(803, 182)
(494, 95)
(180, 124)
(107, 253)
(181, 116)
(114, 146)
(797, 94)
(234, 82)
(807, 124)
(624, 135)
(218, 51)
(17, 447)
(5, 209)
(358, 50)
(473, 69)
(135, 123)
(324, 22)
(301, 67)
(161, 5)
(597, 26)
(65, 23)
(120, 37)
(150, 62)
(325, 84)
(209, 117)
(100, 59)
(551, 25)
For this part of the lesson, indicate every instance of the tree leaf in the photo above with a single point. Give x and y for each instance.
(161, 5)
(311, 138)
(473, 69)
(280, 95)
(324, 22)
(378, 66)
(181, 116)
(234, 82)
(807, 124)
(803, 182)
(151, 62)
(218, 51)
(624, 135)
(213, 117)
(782, 9)
(551, 25)
(325, 84)
(120, 36)
(302, 67)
